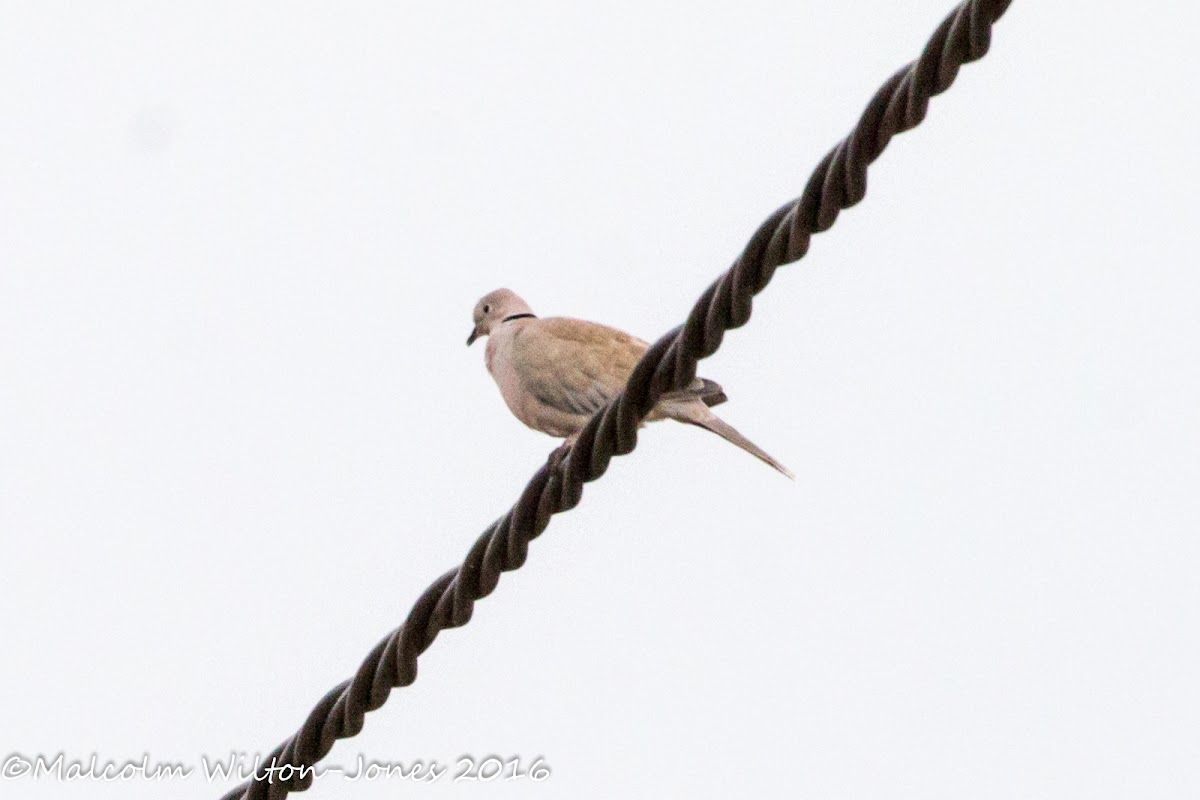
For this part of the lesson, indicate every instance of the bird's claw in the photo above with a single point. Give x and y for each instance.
(560, 454)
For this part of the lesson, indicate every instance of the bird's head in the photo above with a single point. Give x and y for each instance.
(494, 308)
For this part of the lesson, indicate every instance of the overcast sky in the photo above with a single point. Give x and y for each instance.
(240, 433)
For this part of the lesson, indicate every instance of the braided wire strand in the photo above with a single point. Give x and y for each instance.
(839, 181)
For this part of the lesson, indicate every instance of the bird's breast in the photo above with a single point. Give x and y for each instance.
(499, 361)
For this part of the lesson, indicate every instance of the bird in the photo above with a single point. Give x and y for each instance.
(554, 373)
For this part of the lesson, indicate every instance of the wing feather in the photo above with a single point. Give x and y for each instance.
(573, 366)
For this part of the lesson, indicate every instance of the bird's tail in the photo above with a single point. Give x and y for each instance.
(698, 414)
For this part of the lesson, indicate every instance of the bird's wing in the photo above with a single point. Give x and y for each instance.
(572, 366)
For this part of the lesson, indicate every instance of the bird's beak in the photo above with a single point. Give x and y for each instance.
(474, 335)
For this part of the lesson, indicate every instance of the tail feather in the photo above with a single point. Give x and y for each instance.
(698, 414)
(707, 390)
(711, 393)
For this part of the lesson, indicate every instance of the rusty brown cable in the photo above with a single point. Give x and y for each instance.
(838, 182)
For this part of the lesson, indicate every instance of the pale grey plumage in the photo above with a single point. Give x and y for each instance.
(555, 373)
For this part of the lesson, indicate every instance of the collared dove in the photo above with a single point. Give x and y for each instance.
(555, 373)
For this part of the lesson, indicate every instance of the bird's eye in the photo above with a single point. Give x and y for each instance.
(487, 309)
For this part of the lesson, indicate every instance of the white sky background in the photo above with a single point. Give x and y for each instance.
(240, 433)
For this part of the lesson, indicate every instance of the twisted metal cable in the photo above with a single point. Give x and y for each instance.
(838, 182)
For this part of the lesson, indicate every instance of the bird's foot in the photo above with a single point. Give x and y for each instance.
(561, 452)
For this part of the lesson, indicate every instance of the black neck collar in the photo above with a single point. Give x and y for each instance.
(511, 317)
